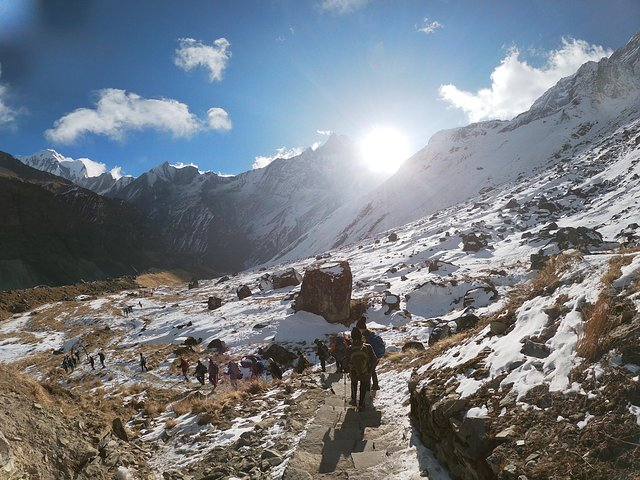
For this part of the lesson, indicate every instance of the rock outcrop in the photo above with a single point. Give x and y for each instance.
(326, 291)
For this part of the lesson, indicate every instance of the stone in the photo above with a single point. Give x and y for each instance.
(214, 303)
(413, 345)
(577, 237)
(243, 291)
(192, 341)
(438, 333)
(326, 291)
(498, 328)
(538, 260)
(281, 355)
(466, 322)
(217, 344)
(7, 465)
(286, 278)
(393, 237)
(534, 349)
(472, 242)
(506, 434)
(118, 429)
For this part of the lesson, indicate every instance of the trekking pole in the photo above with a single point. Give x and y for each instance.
(344, 380)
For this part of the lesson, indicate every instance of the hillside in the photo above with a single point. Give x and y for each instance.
(57, 233)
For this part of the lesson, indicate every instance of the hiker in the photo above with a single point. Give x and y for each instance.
(302, 363)
(92, 362)
(143, 363)
(360, 359)
(213, 372)
(377, 343)
(323, 353)
(274, 368)
(184, 366)
(65, 364)
(201, 371)
(234, 374)
(338, 349)
(101, 357)
(140, 303)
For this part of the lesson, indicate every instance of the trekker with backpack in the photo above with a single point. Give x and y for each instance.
(303, 363)
(184, 366)
(360, 360)
(233, 370)
(338, 351)
(143, 363)
(274, 368)
(378, 345)
(213, 373)
(323, 353)
(200, 372)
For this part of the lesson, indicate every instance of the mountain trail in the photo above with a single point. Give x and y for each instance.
(341, 442)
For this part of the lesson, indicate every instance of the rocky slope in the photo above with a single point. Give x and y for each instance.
(57, 233)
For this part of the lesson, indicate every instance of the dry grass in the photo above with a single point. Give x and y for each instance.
(156, 278)
(599, 318)
(210, 405)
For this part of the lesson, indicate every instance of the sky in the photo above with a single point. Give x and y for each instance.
(231, 85)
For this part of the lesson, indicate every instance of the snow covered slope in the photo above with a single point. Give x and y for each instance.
(461, 163)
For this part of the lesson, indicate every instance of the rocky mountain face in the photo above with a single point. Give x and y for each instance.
(229, 223)
(55, 232)
(462, 163)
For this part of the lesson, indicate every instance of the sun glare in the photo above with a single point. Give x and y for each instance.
(384, 149)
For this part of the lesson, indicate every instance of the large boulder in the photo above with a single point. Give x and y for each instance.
(472, 242)
(391, 302)
(218, 345)
(243, 291)
(580, 237)
(214, 303)
(326, 291)
(286, 278)
(281, 355)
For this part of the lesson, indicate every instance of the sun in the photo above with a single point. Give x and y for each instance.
(384, 149)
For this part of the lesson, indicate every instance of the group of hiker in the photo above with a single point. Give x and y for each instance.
(232, 370)
(72, 360)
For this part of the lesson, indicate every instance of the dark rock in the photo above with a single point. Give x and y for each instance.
(326, 291)
(243, 291)
(534, 349)
(217, 344)
(222, 280)
(413, 345)
(498, 328)
(393, 237)
(192, 341)
(281, 355)
(472, 242)
(513, 203)
(580, 237)
(538, 260)
(117, 427)
(438, 333)
(286, 278)
(193, 284)
(466, 322)
(214, 303)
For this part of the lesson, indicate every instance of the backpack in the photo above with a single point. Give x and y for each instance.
(377, 343)
(338, 345)
(360, 361)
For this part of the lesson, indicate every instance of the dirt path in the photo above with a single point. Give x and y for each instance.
(344, 443)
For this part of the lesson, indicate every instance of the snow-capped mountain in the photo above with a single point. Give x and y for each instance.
(462, 163)
(229, 223)
(82, 171)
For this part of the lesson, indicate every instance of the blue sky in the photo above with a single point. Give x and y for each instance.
(228, 85)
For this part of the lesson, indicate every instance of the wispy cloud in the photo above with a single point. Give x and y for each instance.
(7, 114)
(515, 84)
(192, 54)
(428, 27)
(324, 133)
(342, 6)
(282, 152)
(118, 112)
(218, 119)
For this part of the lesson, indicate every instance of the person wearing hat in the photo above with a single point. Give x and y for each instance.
(360, 360)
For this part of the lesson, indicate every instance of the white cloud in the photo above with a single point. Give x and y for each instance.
(429, 27)
(7, 114)
(515, 84)
(282, 152)
(218, 119)
(94, 169)
(116, 173)
(117, 112)
(342, 6)
(192, 54)
(325, 133)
